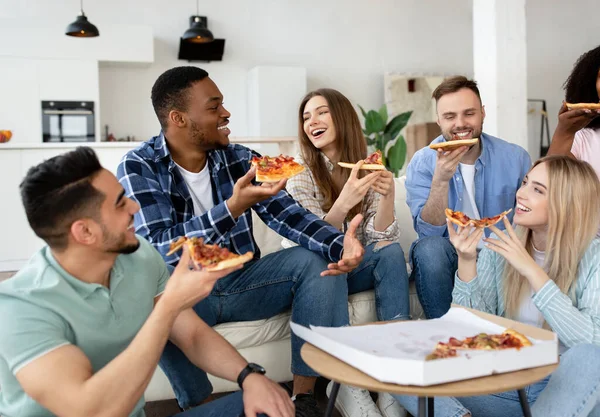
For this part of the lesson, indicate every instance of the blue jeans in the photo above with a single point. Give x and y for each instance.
(434, 262)
(573, 390)
(228, 406)
(384, 270)
(285, 279)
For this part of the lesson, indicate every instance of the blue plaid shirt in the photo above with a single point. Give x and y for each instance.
(149, 176)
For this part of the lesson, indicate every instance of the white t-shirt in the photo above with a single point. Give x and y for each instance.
(528, 312)
(200, 188)
(469, 206)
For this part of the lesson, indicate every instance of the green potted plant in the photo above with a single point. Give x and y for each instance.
(380, 132)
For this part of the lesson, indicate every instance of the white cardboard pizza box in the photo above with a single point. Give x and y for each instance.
(395, 352)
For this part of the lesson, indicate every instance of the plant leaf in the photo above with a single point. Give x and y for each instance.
(397, 124)
(364, 113)
(397, 155)
(373, 122)
(383, 113)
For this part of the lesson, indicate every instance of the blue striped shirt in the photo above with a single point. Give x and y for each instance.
(575, 320)
(149, 176)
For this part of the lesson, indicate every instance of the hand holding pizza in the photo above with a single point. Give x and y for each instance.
(188, 286)
(511, 248)
(465, 240)
(384, 184)
(245, 195)
(356, 188)
(570, 121)
(353, 251)
(446, 164)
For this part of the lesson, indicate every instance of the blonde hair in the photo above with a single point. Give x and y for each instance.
(573, 219)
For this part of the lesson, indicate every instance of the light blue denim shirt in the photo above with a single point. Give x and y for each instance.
(499, 171)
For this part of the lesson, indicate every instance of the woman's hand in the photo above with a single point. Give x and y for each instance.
(385, 185)
(465, 240)
(356, 188)
(510, 248)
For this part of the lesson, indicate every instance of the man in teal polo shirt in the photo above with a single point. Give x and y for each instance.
(85, 321)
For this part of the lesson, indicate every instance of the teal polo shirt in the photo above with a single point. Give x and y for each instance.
(43, 308)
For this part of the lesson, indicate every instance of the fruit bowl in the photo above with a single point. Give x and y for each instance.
(5, 136)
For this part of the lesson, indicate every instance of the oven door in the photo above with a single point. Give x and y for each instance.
(68, 125)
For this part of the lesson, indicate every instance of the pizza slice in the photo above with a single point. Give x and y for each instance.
(461, 219)
(209, 257)
(451, 145)
(274, 169)
(591, 106)
(373, 162)
(509, 339)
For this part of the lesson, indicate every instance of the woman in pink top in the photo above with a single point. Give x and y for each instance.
(578, 132)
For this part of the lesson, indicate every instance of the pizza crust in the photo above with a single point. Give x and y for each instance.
(230, 263)
(175, 246)
(573, 106)
(370, 167)
(524, 340)
(454, 144)
(449, 216)
(289, 173)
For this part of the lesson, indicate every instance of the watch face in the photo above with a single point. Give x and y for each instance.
(257, 368)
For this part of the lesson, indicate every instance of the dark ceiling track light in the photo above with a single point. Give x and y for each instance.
(81, 27)
(198, 31)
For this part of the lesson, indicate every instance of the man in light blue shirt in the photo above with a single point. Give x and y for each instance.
(85, 321)
(480, 180)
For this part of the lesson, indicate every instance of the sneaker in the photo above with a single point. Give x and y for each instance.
(306, 406)
(354, 402)
(389, 407)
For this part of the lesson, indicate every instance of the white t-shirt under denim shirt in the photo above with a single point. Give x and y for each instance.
(586, 147)
(469, 206)
(200, 188)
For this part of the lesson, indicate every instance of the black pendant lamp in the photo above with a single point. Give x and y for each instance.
(198, 31)
(81, 27)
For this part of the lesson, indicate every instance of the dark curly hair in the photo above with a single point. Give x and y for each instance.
(580, 87)
(170, 90)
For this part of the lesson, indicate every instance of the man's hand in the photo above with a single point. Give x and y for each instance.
(188, 286)
(446, 163)
(353, 251)
(245, 195)
(571, 121)
(261, 395)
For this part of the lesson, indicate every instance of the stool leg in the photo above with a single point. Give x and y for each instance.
(524, 403)
(430, 411)
(332, 397)
(422, 406)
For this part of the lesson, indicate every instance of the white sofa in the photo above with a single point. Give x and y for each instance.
(267, 342)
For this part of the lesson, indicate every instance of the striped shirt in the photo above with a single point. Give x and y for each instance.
(575, 320)
(151, 178)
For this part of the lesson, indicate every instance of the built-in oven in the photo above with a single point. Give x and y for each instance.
(68, 121)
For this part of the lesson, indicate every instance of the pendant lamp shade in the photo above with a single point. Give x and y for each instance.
(82, 27)
(198, 32)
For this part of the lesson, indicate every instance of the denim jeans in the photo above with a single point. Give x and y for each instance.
(228, 406)
(573, 390)
(285, 279)
(434, 262)
(384, 270)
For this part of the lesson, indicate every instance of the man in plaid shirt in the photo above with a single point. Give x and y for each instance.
(190, 181)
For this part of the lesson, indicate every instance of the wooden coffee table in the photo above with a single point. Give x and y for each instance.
(342, 373)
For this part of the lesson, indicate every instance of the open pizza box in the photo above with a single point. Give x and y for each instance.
(395, 352)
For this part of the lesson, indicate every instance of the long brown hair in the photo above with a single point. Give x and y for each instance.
(349, 140)
(573, 219)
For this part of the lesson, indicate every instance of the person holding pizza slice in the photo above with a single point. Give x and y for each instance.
(335, 188)
(543, 272)
(190, 181)
(479, 180)
(578, 131)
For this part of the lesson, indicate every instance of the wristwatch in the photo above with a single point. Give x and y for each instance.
(251, 368)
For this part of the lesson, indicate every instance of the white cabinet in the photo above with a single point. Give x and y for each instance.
(68, 80)
(20, 107)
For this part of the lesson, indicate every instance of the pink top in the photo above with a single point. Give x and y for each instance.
(586, 147)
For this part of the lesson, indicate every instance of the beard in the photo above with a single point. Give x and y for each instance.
(114, 243)
(199, 138)
(448, 135)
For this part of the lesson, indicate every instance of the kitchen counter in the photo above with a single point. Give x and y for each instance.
(68, 145)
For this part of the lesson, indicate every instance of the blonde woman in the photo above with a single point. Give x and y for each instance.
(544, 272)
